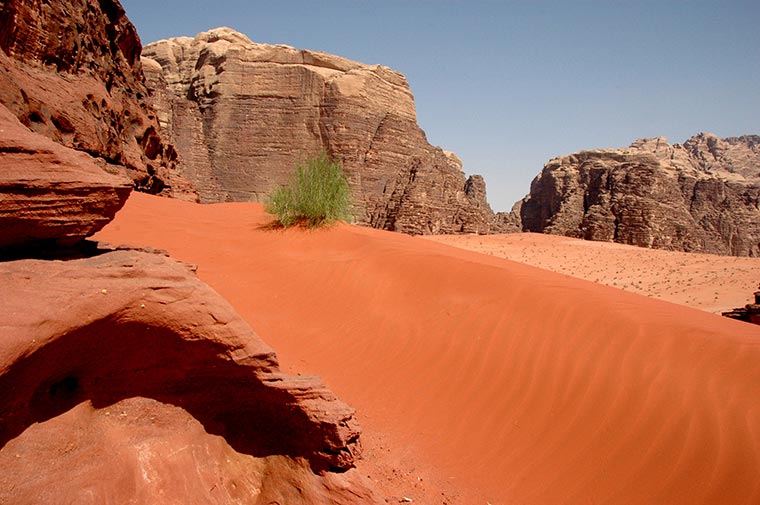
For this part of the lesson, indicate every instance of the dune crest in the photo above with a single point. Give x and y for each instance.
(703, 281)
(504, 382)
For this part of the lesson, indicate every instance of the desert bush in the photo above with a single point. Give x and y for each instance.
(318, 194)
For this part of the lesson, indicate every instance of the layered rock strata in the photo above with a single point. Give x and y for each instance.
(124, 378)
(242, 115)
(50, 194)
(136, 326)
(70, 70)
(702, 196)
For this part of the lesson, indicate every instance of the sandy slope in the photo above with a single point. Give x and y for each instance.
(704, 281)
(490, 380)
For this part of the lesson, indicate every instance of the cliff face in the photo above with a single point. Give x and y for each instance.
(50, 194)
(121, 374)
(70, 70)
(242, 115)
(702, 196)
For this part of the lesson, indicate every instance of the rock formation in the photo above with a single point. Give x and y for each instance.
(136, 336)
(702, 196)
(70, 70)
(750, 313)
(140, 450)
(49, 193)
(242, 115)
(124, 378)
(135, 326)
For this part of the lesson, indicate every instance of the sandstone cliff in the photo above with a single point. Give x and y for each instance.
(50, 194)
(125, 360)
(124, 378)
(241, 115)
(702, 196)
(70, 70)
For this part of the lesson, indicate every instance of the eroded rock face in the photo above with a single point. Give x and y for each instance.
(70, 70)
(129, 324)
(123, 378)
(242, 115)
(703, 196)
(50, 194)
(139, 450)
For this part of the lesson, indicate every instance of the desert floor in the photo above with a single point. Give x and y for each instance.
(702, 281)
(483, 380)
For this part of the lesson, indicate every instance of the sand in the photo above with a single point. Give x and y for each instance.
(702, 281)
(482, 380)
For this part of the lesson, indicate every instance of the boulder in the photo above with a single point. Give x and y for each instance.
(750, 313)
(139, 450)
(146, 376)
(703, 196)
(70, 70)
(50, 194)
(242, 115)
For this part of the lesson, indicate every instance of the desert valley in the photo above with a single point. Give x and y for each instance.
(488, 379)
(165, 340)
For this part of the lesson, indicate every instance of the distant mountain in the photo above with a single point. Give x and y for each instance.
(702, 196)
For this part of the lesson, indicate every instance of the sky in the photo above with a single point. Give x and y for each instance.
(508, 85)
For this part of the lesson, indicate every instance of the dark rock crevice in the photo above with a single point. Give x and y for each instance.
(108, 361)
(143, 326)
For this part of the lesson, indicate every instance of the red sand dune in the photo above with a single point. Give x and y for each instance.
(703, 281)
(491, 380)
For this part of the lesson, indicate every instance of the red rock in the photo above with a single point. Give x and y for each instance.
(139, 450)
(49, 193)
(123, 378)
(137, 326)
(70, 70)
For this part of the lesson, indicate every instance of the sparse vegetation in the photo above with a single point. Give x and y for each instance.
(317, 195)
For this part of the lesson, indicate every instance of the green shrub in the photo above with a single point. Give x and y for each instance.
(317, 195)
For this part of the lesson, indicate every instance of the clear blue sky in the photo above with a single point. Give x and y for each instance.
(509, 85)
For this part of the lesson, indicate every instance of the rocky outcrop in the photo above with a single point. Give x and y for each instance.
(242, 115)
(49, 193)
(70, 70)
(124, 378)
(137, 325)
(510, 222)
(736, 155)
(702, 196)
(750, 313)
(140, 450)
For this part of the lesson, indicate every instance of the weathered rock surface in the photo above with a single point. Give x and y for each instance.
(510, 222)
(70, 70)
(123, 378)
(146, 367)
(702, 196)
(49, 193)
(140, 450)
(750, 313)
(242, 115)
